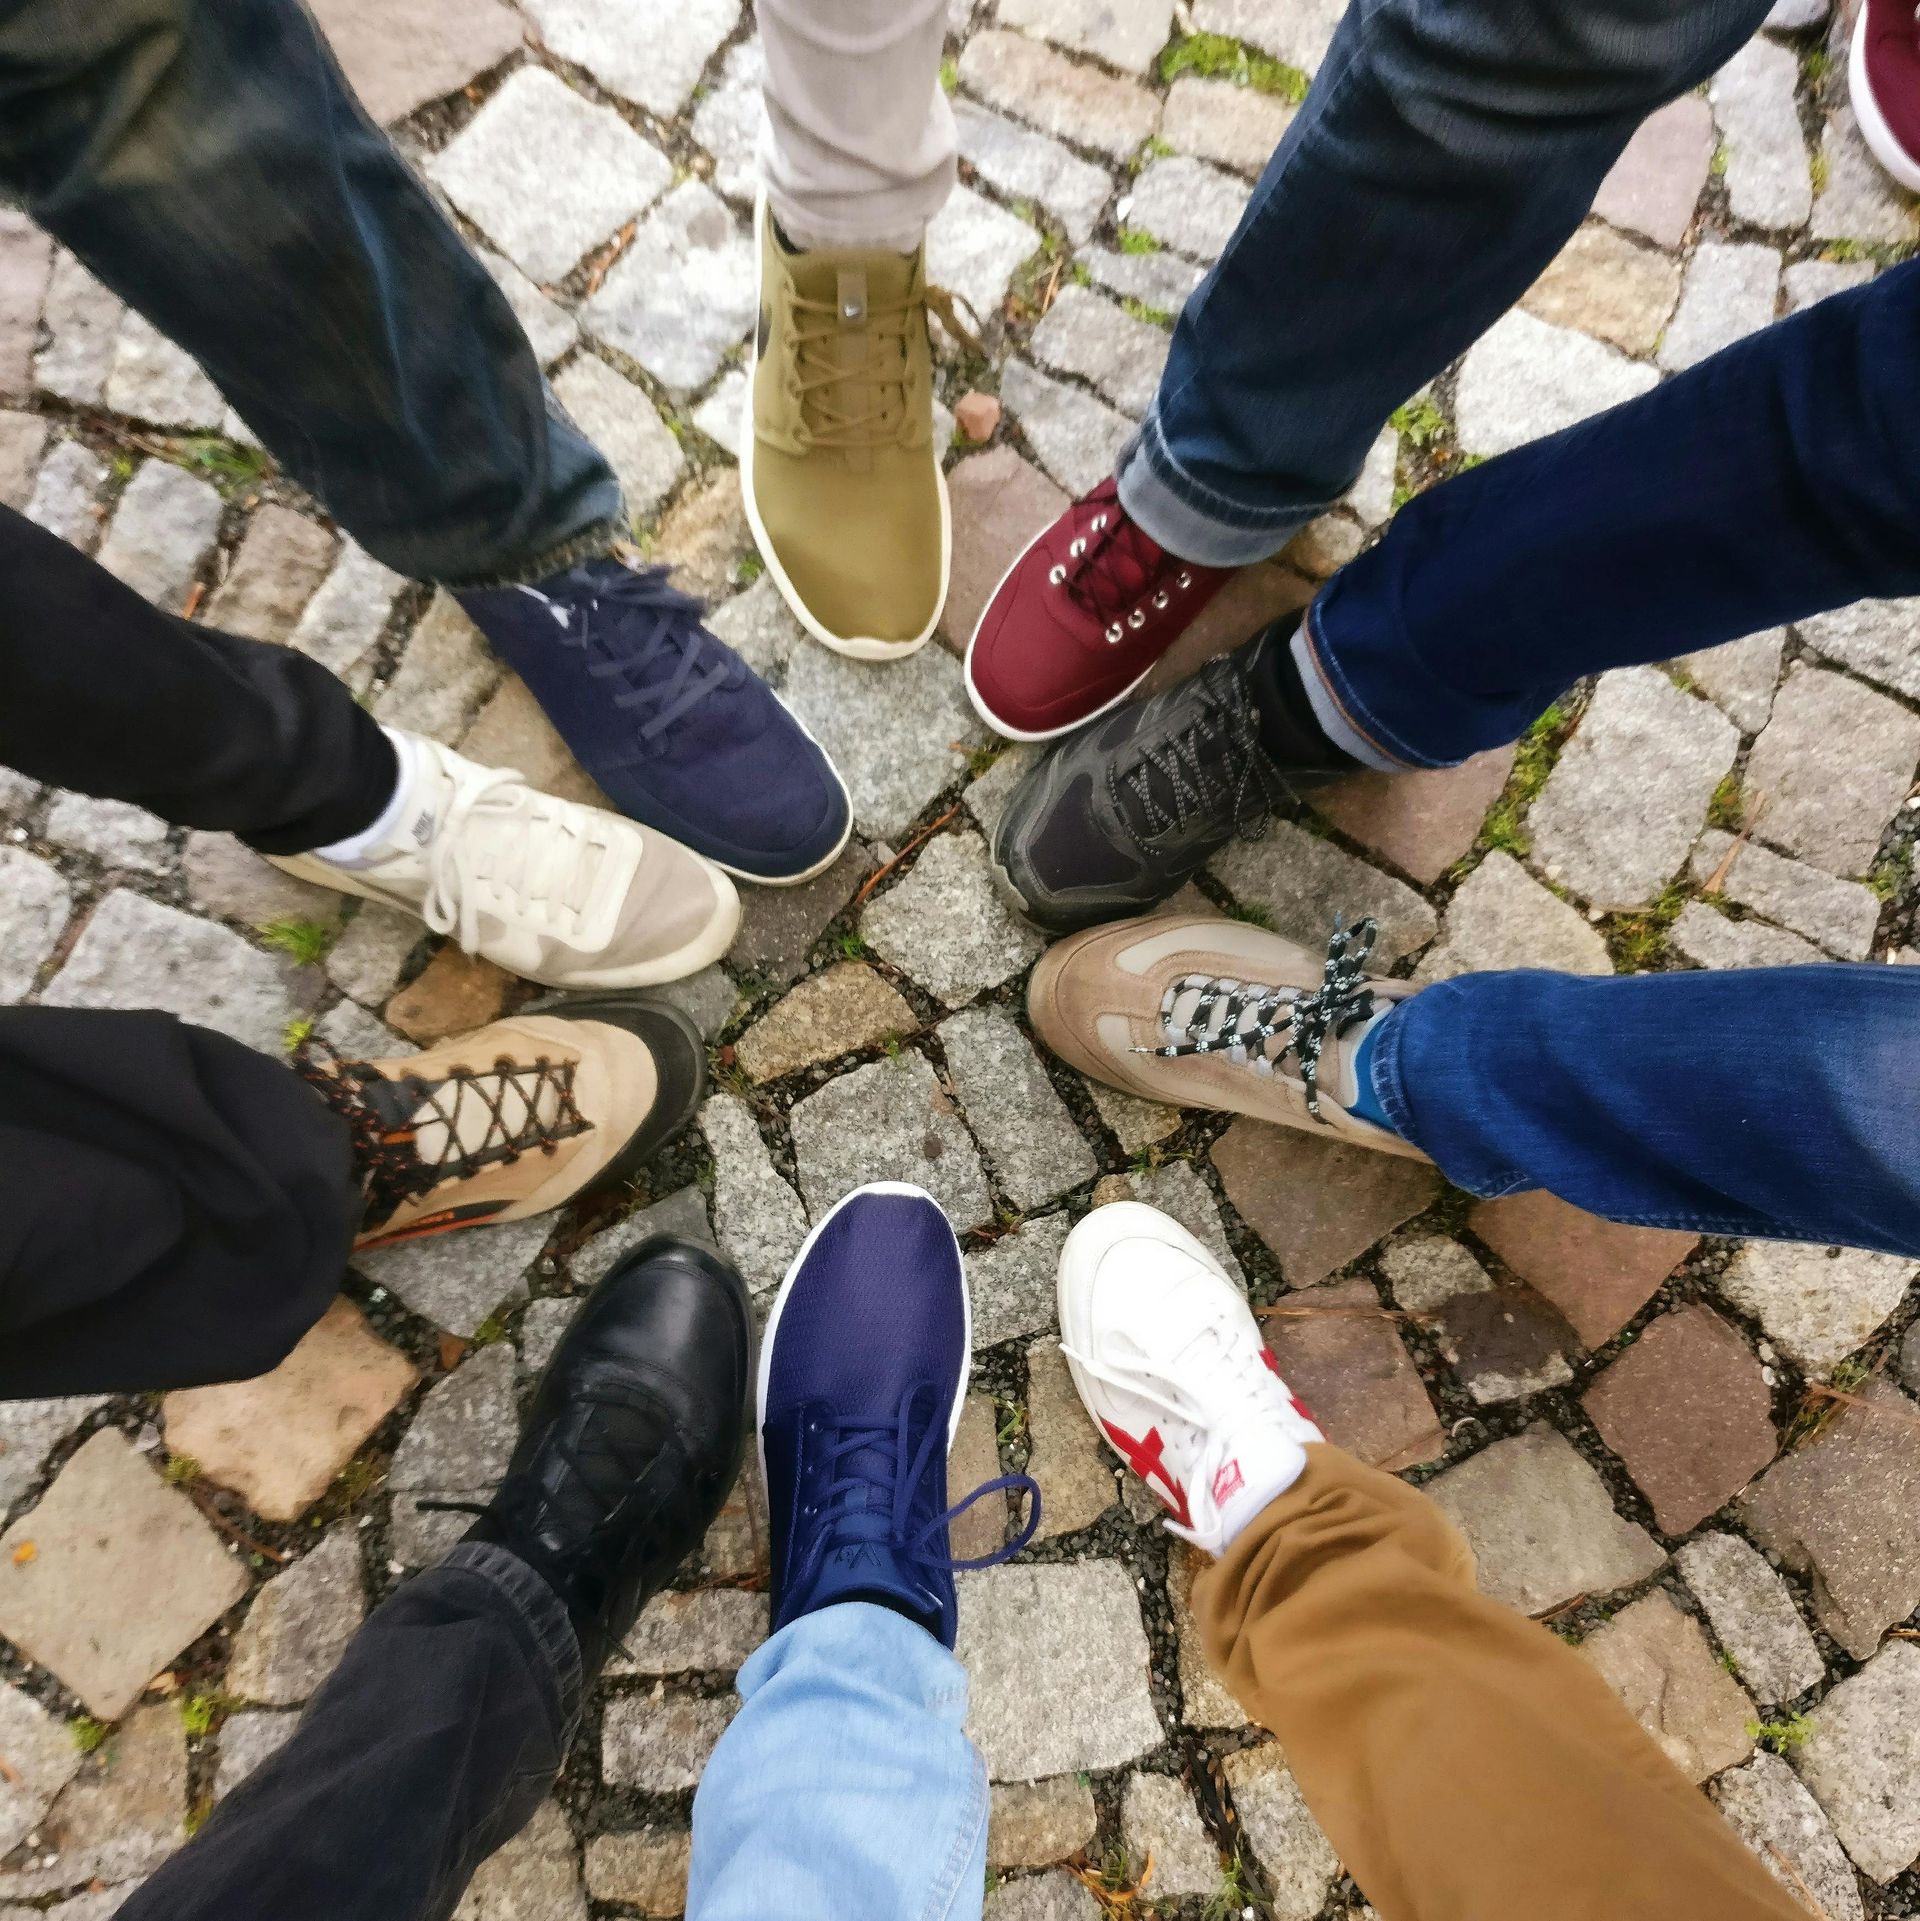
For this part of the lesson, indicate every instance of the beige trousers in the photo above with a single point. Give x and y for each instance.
(859, 149)
(1465, 1763)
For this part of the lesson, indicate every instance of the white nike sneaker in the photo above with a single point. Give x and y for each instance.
(554, 891)
(1170, 1363)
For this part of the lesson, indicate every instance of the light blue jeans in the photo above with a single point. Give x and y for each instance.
(846, 1789)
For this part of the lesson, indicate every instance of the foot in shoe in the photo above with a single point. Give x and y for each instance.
(671, 723)
(557, 892)
(1197, 1012)
(633, 1441)
(1883, 80)
(1079, 620)
(517, 1118)
(1170, 1363)
(838, 468)
(862, 1374)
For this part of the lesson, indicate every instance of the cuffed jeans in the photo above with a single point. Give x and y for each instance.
(207, 160)
(1445, 151)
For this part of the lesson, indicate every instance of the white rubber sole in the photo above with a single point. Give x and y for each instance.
(765, 1368)
(1893, 158)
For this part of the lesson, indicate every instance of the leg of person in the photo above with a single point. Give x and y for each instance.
(1780, 467)
(846, 1780)
(1465, 1763)
(838, 467)
(442, 1730)
(1441, 158)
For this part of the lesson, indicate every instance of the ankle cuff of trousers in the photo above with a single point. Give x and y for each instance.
(1191, 520)
(541, 1622)
(599, 539)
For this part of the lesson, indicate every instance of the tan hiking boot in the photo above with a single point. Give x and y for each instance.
(842, 480)
(518, 1118)
(1198, 1012)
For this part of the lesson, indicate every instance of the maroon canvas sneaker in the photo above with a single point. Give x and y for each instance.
(1079, 620)
(1883, 75)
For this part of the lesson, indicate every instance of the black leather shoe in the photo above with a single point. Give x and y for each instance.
(633, 1441)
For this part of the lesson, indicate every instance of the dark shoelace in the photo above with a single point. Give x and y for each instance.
(1340, 1003)
(1121, 565)
(668, 627)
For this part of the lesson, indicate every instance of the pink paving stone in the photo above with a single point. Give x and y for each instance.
(999, 503)
(400, 54)
(1422, 822)
(1688, 1411)
(26, 261)
(1656, 182)
(1254, 596)
(1597, 1273)
(1341, 1355)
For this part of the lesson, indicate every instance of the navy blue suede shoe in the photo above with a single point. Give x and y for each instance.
(862, 1374)
(678, 730)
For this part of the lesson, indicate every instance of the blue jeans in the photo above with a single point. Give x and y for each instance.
(208, 161)
(1775, 480)
(845, 1781)
(1446, 150)
(1773, 1103)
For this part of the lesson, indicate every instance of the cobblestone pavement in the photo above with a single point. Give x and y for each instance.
(1634, 1428)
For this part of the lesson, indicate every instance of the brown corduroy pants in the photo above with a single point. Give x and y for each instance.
(1466, 1764)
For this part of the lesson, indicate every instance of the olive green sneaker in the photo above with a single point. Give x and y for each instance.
(842, 480)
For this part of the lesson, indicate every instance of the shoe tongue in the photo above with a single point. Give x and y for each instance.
(828, 273)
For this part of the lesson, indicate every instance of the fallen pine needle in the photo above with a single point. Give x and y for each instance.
(1806, 1895)
(919, 840)
(1717, 879)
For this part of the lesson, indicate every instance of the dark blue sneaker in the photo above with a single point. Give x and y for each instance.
(673, 724)
(862, 1374)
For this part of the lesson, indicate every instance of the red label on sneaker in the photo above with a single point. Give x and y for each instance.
(1227, 1483)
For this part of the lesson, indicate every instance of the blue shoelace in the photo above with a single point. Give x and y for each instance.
(660, 624)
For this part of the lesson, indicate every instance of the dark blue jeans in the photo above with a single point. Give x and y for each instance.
(1446, 150)
(1779, 478)
(1773, 1102)
(208, 161)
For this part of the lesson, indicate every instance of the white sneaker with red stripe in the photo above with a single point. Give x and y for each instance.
(1169, 1361)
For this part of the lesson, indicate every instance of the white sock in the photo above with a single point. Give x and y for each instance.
(1263, 1464)
(356, 849)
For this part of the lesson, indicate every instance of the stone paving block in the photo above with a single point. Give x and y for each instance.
(1599, 1274)
(1504, 1341)
(349, 612)
(1299, 1860)
(17, 792)
(1056, 1896)
(682, 1214)
(1500, 916)
(400, 54)
(728, 120)
(1863, 1760)
(736, 1543)
(23, 439)
(136, 953)
(1176, 1189)
(1068, 1459)
(1821, 720)
(1769, 183)
(1809, 281)
(1422, 822)
(29, 1432)
(1205, 1701)
(1858, 201)
(973, 1461)
(779, 925)
(247, 1741)
(227, 878)
(114, 832)
(1161, 280)
(1012, 1281)
(619, 418)
(1296, 32)
(646, 1869)
(1136, 1124)
(498, 171)
(1541, 1523)
(844, 1009)
(456, 1281)
(82, 323)
(1124, 33)
(1339, 1352)
(1713, 940)
(456, 1450)
(1085, 335)
(1878, 639)
(511, 730)
(1603, 284)
(1840, 1510)
(161, 531)
(683, 294)
(350, 1030)
(1031, 166)
(1000, 502)
(1159, 1823)
(1739, 676)
(152, 379)
(1231, 125)
(1658, 1662)
(455, 993)
(1753, 1617)
(281, 564)
(660, 1746)
(1078, 1623)
(367, 959)
(757, 1217)
(444, 677)
(534, 1877)
(1317, 1204)
(720, 417)
(1058, 95)
(279, 1441)
(1031, 1141)
(1033, 1824)
(1631, 789)
(892, 1115)
(1075, 437)
(64, 493)
(945, 925)
(644, 53)
(122, 1574)
(1524, 379)
(1783, 1824)
(300, 1624)
(1322, 547)
(1730, 292)
(1689, 1412)
(38, 904)
(710, 1631)
(26, 265)
(550, 328)
(1310, 886)
(1817, 1304)
(1656, 182)
(41, 1759)
(704, 535)
(1840, 915)
(1188, 206)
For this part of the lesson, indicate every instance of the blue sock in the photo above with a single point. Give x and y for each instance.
(1365, 1106)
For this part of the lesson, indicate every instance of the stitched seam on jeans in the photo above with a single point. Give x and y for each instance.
(953, 1875)
(1339, 690)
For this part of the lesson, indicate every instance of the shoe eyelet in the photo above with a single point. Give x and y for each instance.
(1136, 619)
(1078, 548)
(1056, 575)
(1186, 580)
(1099, 523)
(1160, 601)
(1115, 634)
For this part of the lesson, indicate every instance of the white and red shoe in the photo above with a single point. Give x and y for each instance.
(1170, 1363)
(1883, 77)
